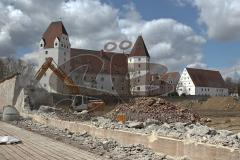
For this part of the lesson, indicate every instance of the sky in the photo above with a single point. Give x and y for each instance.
(178, 33)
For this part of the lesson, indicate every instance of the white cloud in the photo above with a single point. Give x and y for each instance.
(91, 24)
(221, 17)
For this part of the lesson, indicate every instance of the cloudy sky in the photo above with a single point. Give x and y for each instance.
(178, 33)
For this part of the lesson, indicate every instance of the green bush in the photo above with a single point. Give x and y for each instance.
(173, 94)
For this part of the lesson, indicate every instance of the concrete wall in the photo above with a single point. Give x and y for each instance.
(173, 147)
(7, 89)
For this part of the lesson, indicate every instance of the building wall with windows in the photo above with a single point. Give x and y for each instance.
(201, 85)
(138, 68)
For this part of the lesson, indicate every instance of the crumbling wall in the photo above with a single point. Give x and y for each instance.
(7, 88)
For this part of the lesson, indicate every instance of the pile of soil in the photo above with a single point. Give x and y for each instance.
(144, 108)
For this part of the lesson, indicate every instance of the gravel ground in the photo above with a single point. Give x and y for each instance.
(107, 148)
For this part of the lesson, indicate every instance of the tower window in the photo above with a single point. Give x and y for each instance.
(41, 45)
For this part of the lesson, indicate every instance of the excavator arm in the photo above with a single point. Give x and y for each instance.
(59, 73)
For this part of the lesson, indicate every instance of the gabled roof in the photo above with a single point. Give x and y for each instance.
(206, 78)
(170, 76)
(100, 61)
(139, 48)
(54, 30)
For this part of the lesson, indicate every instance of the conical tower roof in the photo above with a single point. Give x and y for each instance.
(139, 48)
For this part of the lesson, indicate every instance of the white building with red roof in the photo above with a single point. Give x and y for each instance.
(202, 83)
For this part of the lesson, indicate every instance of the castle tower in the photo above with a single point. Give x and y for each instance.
(138, 68)
(54, 43)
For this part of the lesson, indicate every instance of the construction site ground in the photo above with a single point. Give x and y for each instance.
(37, 147)
(219, 112)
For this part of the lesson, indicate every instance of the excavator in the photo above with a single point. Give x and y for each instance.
(79, 102)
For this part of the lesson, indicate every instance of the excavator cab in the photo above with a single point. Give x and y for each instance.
(79, 103)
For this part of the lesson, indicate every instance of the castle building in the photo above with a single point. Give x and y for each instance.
(98, 72)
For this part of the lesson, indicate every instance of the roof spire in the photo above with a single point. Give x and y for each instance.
(139, 48)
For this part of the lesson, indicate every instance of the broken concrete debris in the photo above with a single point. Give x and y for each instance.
(107, 148)
(185, 131)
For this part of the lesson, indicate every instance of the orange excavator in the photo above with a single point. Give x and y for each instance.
(60, 73)
(79, 102)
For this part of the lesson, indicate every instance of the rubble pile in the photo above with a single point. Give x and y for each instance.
(107, 148)
(196, 133)
(154, 108)
(184, 131)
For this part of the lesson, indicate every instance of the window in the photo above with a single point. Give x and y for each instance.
(189, 89)
(138, 88)
(46, 52)
(41, 45)
(139, 59)
(139, 72)
(208, 90)
(65, 53)
(101, 87)
(56, 44)
(102, 78)
(138, 80)
(113, 79)
(139, 66)
(122, 88)
(112, 88)
(45, 85)
(62, 45)
(202, 89)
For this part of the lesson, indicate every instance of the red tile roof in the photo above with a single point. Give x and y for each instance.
(139, 48)
(100, 61)
(170, 75)
(206, 78)
(54, 30)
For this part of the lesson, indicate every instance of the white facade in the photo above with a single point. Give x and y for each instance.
(138, 67)
(186, 86)
(60, 54)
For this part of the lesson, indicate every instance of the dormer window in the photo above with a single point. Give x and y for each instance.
(41, 45)
(56, 44)
(46, 52)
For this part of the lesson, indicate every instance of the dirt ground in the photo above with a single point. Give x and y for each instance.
(224, 112)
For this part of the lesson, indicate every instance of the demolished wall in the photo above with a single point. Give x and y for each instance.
(7, 92)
